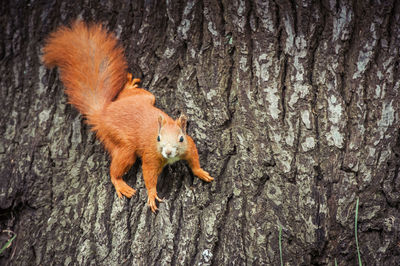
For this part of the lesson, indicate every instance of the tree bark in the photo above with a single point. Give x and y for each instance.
(294, 107)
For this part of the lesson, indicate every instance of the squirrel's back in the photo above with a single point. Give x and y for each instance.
(91, 63)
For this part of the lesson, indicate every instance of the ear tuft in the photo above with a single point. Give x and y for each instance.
(161, 122)
(182, 122)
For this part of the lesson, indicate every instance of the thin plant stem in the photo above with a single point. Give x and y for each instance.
(7, 244)
(280, 244)
(355, 228)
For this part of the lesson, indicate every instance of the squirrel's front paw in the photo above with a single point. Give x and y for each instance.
(203, 175)
(123, 189)
(152, 196)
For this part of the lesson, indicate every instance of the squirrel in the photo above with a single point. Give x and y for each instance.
(93, 70)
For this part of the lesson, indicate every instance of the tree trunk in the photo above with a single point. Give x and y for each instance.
(294, 106)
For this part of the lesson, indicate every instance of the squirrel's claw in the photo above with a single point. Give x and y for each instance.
(152, 205)
(123, 189)
(135, 83)
(129, 76)
(152, 202)
(203, 175)
(159, 200)
(132, 82)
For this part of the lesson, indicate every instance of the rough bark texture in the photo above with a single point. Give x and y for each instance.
(294, 106)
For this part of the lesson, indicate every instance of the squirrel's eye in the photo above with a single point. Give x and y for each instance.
(181, 139)
(158, 138)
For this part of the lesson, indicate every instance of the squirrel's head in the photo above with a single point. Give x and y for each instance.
(171, 139)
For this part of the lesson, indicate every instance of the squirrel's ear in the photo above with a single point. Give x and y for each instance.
(182, 122)
(161, 122)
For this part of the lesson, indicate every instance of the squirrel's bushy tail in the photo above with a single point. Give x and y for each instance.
(91, 63)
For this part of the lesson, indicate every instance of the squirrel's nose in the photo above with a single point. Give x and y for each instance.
(168, 152)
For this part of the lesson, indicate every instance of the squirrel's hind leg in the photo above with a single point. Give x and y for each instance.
(131, 88)
(120, 163)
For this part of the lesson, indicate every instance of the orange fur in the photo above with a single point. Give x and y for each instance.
(93, 70)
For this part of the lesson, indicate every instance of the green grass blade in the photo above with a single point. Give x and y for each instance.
(355, 227)
(280, 243)
(7, 244)
(335, 262)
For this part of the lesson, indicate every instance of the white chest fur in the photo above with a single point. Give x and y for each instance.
(173, 160)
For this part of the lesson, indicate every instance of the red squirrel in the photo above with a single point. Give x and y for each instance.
(92, 68)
